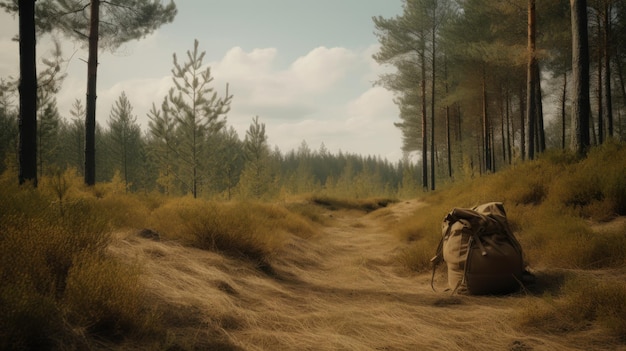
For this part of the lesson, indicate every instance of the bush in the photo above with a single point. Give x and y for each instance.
(56, 275)
(104, 298)
(242, 229)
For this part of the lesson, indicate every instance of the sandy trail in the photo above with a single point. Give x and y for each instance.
(341, 290)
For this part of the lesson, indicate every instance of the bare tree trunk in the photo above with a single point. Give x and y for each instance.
(620, 74)
(522, 114)
(486, 127)
(608, 104)
(90, 118)
(531, 111)
(580, 77)
(541, 135)
(424, 124)
(448, 143)
(432, 105)
(600, 85)
(508, 126)
(459, 131)
(563, 109)
(28, 93)
(502, 124)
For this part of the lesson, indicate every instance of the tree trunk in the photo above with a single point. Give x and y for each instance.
(424, 124)
(522, 114)
(622, 84)
(600, 85)
(432, 108)
(608, 104)
(28, 93)
(563, 109)
(580, 77)
(90, 118)
(541, 134)
(531, 107)
(486, 127)
(502, 124)
(448, 143)
(508, 126)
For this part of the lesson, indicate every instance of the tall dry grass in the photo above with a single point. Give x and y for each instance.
(62, 289)
(58, 283)
(581, 303)
(254, 231)
(551, 204)
(554, 205)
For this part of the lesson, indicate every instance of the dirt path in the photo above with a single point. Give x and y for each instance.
(342, 290)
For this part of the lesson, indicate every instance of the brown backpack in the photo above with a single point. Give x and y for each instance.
(482, 254)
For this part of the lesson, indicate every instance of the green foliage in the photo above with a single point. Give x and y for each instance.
(125, 146)
(190, 114)
(119, 23)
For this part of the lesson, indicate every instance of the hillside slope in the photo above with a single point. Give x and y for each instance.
(341, 290)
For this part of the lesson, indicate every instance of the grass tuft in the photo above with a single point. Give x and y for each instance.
(582, 301)
(254, 231)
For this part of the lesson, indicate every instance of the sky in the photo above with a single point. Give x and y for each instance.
(305, 68)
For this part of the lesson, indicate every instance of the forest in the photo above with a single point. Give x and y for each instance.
(471, 103)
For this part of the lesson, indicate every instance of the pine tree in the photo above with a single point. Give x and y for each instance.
(197, 110)
(48, 117)
(100, 24)
(256, 179)
(162, 146)
(126, 140)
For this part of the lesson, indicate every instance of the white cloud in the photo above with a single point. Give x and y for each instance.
(324, 96)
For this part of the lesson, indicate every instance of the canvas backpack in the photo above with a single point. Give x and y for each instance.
(482, 254)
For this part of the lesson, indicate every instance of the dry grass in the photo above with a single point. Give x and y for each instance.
(254, 231)
(58, 282)
(319, 274)
(584, 302)
(368, 205)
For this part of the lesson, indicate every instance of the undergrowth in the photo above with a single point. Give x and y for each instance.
(58, 283)
(254, 231)
(582, 302)
(62, 290)
(550, 202)
(553, 205)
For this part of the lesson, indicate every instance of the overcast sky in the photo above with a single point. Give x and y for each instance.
(304, 67)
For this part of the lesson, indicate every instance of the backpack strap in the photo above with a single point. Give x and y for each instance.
(438, 258)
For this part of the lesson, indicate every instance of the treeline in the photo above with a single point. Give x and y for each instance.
(226, 166)
(473, 80)
(188, 147)
(199, 154)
